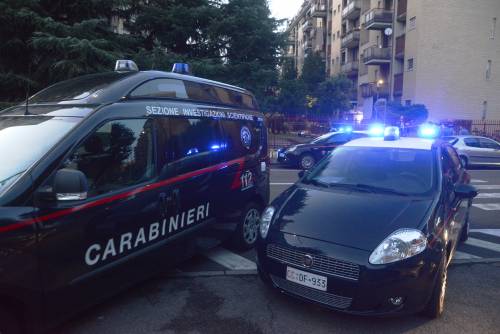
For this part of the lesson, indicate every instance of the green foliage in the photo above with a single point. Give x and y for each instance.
(45, 41)
(333, 96)
(416, 113)
(313, 72)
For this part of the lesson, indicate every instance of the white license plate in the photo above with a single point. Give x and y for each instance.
(307, 279)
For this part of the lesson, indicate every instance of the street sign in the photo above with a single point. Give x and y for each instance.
(380, 108)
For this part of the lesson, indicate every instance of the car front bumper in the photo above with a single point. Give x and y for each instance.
(369, 294)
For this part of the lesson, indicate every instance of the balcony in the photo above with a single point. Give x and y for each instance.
(400, 47)
(377, 56)
(307, 26)
(401, 13)
(290, 40)
(350, 68)
(318, 10)
(352, 10)
(372, 89)
(378, 19)
(398, 84)
(351, 39)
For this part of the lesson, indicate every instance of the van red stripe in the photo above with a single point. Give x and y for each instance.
(240, 162)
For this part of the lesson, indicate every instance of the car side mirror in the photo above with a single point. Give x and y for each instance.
(465, 191)
(70, 185)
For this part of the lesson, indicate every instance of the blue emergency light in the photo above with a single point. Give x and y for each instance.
(346, 129)
(376, 130)
(181, 68)
(428, 131)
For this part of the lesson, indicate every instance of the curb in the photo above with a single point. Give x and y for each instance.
(475, 261)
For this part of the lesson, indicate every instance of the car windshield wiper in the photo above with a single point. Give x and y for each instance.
(317, 183)
(3, 182)
(368, 188)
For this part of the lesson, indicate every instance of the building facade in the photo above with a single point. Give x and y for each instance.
(444, 54)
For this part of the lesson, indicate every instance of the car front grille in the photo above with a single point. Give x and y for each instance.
(321, 264)
(322, 297)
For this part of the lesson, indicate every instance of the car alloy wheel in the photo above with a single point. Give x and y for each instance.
(251, 226)
(307, 161)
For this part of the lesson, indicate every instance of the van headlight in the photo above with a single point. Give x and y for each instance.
(398, 246)
(265, 221)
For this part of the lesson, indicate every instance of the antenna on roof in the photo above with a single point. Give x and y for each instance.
(26, 111)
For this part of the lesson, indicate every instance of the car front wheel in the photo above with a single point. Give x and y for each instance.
(434, 309)
(307, 161)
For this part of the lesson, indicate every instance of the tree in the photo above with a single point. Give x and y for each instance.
(416, 113)
(333, 96)
(313, 72)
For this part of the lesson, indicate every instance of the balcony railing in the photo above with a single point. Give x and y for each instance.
(351, 39)
(376, 56)
(318, 10)
(352, 10)
(378, 19)
(400, 47)
(398, 84)
(307, 26)
(350, 68)
(401, 14)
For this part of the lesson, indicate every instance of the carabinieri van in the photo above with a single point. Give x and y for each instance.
(106, 178)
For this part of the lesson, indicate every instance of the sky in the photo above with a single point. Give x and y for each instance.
(285, 9)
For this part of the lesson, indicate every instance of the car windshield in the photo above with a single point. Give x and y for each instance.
(25, 139)
(387, 170)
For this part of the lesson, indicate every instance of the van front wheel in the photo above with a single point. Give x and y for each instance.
(248, 227)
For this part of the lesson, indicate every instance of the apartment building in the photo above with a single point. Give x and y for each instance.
(444, 54)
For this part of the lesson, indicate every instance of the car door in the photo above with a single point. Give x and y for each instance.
(491, 150)
(455, 208)
(476, 154)
(90, 248)
(330, 144)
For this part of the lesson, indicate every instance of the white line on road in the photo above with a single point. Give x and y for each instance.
(285, 170)
(464, 256)
(488, 207)
(230, 260)
(488, 187)
(483, 244)
(488, 195)
(478, 181)
(281, 184)
(494, 232)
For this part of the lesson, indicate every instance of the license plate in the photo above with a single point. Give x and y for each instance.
(307, 279)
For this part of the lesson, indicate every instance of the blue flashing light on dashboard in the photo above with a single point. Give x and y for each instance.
(376, 130)
(346, 129)
(428, 131)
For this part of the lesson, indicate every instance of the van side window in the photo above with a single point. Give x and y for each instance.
(118, 155)
(187, 144)
(161, 88)
(201, 92)
(242, 138)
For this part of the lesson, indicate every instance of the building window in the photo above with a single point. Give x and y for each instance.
(334, 12)
(412, 24)
(493, 28)
(338, 9)
(333, 36)
(488, 70)
(485, 110)
(338, 34)
(411, 64)
(333, 62)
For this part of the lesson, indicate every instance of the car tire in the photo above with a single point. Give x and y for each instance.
(306, 161)
(435, 307)
(264, 277)
(248, 227)
(464, 161)
(8, 323)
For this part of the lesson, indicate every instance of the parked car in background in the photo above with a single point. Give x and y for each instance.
(476, 150)
(306, 155)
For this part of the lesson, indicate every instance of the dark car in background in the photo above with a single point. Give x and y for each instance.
(305, 156)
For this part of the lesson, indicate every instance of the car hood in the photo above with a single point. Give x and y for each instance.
(349, 218)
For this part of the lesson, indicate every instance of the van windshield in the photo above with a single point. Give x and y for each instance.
(26, 139)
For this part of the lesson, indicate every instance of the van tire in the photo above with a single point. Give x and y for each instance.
(247, 231)
(435, 307)
(8, 323)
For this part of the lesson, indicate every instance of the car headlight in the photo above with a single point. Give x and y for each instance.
(291, 149)
(398, 246)
(265, 221)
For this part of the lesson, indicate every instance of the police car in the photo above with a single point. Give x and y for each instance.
(108, 177)
(371, 229)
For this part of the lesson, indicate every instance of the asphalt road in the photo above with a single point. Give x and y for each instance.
(220, 293)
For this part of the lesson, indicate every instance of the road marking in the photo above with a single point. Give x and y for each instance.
(494, 232)
(488, 207)
(282, 184)
(488, 195)
(230, 260)
(464, 256)
(483, 244)
(478, 181)
(285, 170)
(488, 186)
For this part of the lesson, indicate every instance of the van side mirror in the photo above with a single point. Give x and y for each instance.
(70, 185)
(465, 191)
